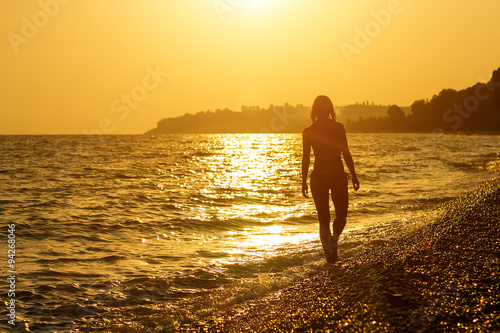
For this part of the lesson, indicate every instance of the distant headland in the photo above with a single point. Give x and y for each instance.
(474, 109)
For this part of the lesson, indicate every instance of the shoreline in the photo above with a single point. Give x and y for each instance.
(443, 276)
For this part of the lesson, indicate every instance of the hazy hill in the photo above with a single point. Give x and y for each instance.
(475, 109)
(365, 110)
(274, 119)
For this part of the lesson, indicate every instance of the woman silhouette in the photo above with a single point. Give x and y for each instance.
(328, 140)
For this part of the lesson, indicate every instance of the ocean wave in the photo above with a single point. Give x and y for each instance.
(201, 154)
(120, 175)
(50, 273)
(490, 155)
(107, 259)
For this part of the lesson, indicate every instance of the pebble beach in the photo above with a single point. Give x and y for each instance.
(440, 277)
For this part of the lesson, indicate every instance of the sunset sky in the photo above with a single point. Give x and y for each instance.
(119, 66)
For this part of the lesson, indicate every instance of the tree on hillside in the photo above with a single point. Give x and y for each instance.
(396, 120)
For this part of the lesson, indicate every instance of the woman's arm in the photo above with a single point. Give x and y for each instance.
(306, 160)
(350, 164)
(349, 161)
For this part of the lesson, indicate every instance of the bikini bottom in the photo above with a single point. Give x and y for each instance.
(328, 180)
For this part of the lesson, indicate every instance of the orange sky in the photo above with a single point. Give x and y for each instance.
(119, 66)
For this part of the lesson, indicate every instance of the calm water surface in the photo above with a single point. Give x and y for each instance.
(124, 231)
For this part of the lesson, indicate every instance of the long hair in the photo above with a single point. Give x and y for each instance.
(322, 108)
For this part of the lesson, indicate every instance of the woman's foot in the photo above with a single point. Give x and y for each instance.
(330, 248)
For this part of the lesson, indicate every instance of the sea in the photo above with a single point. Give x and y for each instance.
(135, 233)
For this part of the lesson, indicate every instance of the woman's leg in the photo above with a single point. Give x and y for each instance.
(321, 196)
(341, 202)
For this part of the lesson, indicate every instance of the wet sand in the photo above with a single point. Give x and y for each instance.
(442, 277)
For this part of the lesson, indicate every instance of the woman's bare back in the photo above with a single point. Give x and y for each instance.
(327, 139)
